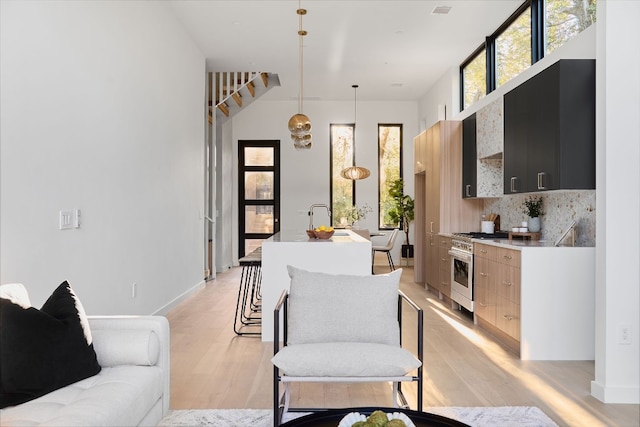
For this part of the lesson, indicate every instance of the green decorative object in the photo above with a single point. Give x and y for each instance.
(403, 211)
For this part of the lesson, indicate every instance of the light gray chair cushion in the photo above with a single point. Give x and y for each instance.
(345, 360)
(343, 308)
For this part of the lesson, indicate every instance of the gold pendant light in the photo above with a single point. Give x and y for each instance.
(355, 172)
(299, 124)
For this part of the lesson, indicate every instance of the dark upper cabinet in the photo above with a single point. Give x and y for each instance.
(549, 130)
(469, 157)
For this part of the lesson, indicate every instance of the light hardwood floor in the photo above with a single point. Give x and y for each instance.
(211, 367)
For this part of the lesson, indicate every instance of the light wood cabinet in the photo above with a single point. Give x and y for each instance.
(419, 155)
(508, 301)
(445, 266)
(485, 292)
(497, 288)
(442, 208)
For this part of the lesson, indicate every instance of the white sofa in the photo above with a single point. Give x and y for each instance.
(132, 389)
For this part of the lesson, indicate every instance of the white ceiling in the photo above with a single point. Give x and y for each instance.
(394, 50)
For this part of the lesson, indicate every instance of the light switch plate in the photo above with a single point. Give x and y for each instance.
(66, 220)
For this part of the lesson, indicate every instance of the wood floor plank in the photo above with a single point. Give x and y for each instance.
(212, 367)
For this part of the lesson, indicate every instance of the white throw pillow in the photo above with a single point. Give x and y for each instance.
(16, 293)
(343, 308)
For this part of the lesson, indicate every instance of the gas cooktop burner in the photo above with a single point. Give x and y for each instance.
(480, 235)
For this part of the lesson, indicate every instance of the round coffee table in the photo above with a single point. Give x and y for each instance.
(332, 417)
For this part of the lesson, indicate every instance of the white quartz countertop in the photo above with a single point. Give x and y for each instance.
(517, 244)
(340, 236)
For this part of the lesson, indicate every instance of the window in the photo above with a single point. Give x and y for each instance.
(389, 169)
(474, 77)
(343, 191)
(564, 19)
(513, 48)
(537, 28)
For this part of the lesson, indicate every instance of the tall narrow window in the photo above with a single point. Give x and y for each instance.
(343, 191)
(474, 78)
(389, 169)
(513, 48)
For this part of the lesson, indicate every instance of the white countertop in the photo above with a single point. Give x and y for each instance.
(517, 244)
(340, 236)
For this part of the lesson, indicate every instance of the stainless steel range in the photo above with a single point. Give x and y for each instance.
(462, 270)
(462, 265)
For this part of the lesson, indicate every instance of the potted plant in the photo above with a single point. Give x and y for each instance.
(532, 207)
(355, 213)
(402, 213)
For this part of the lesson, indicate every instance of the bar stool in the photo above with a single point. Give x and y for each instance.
(249, 304)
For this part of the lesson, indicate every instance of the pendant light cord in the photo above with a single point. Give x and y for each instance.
(301, 34)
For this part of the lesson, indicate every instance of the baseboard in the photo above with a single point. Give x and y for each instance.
(165, 309)
(623, 395)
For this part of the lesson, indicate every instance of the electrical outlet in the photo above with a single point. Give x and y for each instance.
(624, 334)
(134, 290)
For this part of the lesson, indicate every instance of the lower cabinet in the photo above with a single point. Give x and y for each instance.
(497, 288)
(444, 272)
(485, 292)
(537, 300)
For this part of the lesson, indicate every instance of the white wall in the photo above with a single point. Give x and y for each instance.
(617, 378)
(305, 173)
(102, 109)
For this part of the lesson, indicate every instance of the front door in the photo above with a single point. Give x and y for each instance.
(259, 193)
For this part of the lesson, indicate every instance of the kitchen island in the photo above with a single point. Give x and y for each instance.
(346, 252)
(538, 297)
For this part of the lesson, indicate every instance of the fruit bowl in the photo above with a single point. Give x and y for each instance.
(311, 234)
(324, 234)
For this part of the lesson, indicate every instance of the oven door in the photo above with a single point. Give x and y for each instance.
(462, 278)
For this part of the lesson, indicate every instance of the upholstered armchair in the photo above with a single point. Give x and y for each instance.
(341, 328)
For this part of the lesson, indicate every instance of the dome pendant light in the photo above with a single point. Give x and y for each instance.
(355, 172)
(299, 124)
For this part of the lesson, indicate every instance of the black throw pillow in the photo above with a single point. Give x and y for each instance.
(44, 350)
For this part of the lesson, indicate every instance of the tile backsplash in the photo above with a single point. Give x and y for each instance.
(560, 207)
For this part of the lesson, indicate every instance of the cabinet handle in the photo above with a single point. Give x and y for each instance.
(508, 257)
(431, 227)
(484, 274)
(443, 260)
(484, 251)
(483, 305)
(541, 185)
(507, 283)
(508, 317)
(468, 190)
(513, 184)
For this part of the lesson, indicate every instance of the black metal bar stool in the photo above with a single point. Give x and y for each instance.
(248, 316)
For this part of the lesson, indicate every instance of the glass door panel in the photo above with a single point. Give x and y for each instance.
(259, 193)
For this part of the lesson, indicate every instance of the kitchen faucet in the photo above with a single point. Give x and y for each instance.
(311, 213)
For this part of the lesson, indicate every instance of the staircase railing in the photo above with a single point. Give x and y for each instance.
(231, 87)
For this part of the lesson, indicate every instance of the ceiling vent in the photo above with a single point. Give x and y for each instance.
(441, 10)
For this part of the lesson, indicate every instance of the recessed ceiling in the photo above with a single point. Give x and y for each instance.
(394, 50)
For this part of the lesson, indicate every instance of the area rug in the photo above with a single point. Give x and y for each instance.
(499, 416)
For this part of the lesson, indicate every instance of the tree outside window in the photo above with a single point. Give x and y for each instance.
(474, 78)
(564, 19)
(513, 49)
(342, 156)
(389, 170)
